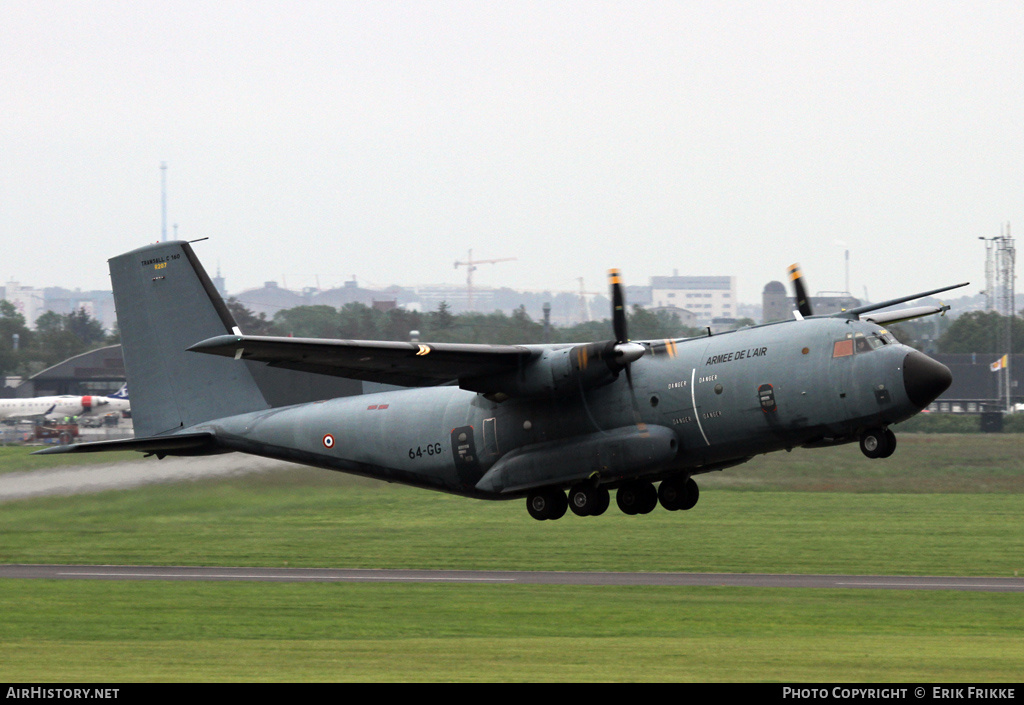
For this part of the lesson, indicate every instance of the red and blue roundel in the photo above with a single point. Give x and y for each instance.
(328, 440)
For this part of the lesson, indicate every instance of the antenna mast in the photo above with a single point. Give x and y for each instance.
(1006, 255)
(163, 201)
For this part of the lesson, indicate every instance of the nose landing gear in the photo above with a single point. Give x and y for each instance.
(878, 443)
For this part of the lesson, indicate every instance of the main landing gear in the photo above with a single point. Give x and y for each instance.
(878, 443)
(633, 498)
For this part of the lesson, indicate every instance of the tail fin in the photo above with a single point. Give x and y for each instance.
(166, 302)
(121, 393)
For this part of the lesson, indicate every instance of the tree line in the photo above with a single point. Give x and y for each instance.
(58, 337)
(356, 321)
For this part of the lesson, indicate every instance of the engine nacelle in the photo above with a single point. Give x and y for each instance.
(559, 371)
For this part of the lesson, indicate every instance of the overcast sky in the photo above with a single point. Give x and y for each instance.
(312, 141)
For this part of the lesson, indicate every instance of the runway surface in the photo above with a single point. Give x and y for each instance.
(873, 582)
(86, 479)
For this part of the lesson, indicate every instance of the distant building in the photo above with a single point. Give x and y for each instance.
(707, 297)
(33, 303)
(219, 284)
(776, 305)
(270, 299)
(686, 317)
(349, 293)
(456, 297)
(99, 371)
(98, 304)
(825, 303)
(27, 301)
(976, 387)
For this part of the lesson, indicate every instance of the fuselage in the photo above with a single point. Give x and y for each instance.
(695, 405)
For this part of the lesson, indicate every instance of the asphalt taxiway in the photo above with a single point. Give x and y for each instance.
(214, 573)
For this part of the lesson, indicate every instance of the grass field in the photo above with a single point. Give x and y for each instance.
(945, 505)
(20, 459)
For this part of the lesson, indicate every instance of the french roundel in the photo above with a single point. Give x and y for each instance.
(328, 441)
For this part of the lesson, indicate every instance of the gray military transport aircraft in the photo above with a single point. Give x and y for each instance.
(560, 425)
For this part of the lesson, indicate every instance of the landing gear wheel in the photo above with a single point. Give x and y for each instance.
(547, 504)
(671, 493)
(878, 443)
(890, 438)
(678, 493)
(637, 498)
(588, 501)
(691, 496)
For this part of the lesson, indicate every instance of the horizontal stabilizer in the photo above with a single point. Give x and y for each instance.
(904, 314)
(184, 444)
(856, 313)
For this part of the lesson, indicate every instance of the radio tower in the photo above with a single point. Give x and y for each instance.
(1000, 295)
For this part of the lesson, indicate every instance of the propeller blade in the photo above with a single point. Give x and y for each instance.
(625, 352)
(803, 303)
(618, 307)
(637, 418)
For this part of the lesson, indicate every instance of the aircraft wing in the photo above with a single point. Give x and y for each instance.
(405, 364)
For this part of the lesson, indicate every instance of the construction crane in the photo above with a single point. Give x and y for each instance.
(471, 263)
(584, 306)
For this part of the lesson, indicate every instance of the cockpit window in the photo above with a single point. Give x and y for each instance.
(842, 348)
(860, 343)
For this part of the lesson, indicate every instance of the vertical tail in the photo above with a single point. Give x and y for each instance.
(166, 302)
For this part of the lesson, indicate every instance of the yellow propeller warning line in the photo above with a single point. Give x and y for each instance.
(582, 358)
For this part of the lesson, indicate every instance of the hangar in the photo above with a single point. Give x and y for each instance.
(98, 372)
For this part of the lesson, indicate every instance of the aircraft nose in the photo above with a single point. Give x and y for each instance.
(924, 378)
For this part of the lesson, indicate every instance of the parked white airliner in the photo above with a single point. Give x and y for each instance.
(64, 406)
